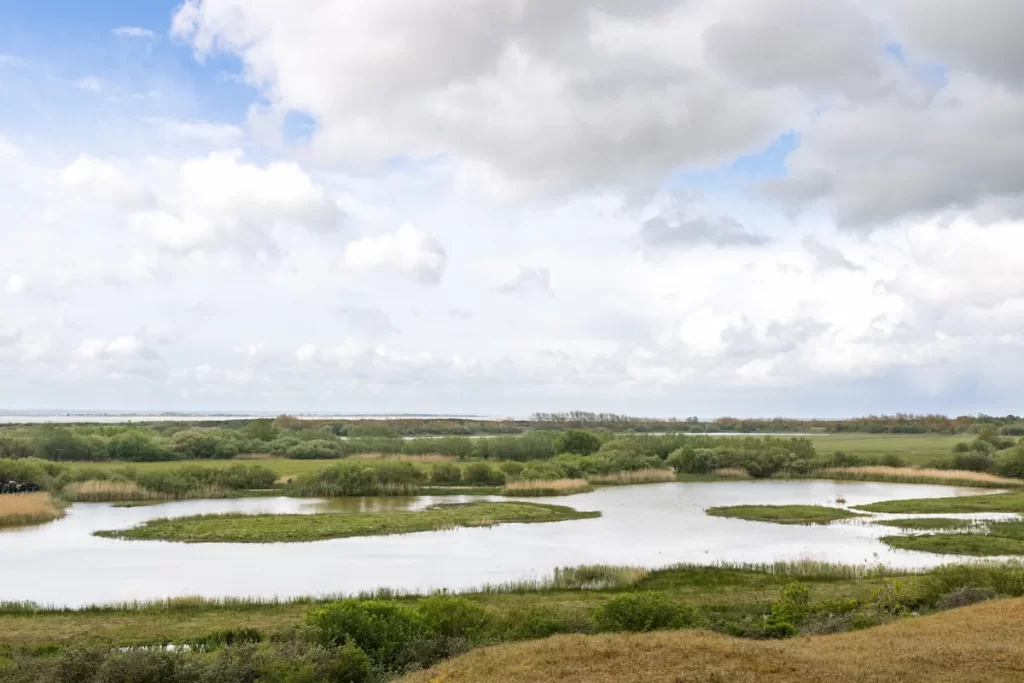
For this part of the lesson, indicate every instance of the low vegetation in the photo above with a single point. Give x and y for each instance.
(26, 509)
(783, 514)
(541, 487)
(239, 528)
(996, 502)
(928, 523)
(914, 475)
(645, 476)
(974, 544)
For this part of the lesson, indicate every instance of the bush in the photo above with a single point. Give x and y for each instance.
(445, 473)
(975, 461)
(512, 468)
(789, 612)
(315, 449)
(962, 597)
(453, 617)
(343, 479)
(482, 474)
(381, 629)
(577, 441)
(1012, 464)
(203, 444)
(645, 611)
(137, 446)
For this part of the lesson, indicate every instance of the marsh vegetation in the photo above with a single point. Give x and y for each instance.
(783, 514)
(26, 509)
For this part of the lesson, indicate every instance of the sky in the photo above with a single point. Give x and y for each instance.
(497, 207)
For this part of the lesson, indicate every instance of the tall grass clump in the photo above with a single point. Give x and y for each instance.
(732, 473)
(596, 577)
(365, 478)
(914, 475)
(537, 487)
(24, 509)
(644, 476)
(100, 491)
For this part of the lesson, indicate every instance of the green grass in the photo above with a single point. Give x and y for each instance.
(237, 528)
(783, 514)
(998, 502)
(928, 523)
(977, 545)
(916, 449)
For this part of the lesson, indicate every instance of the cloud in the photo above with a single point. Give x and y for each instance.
(721, 232)
(107, 182)
(220, 134)
(528, 280)
(90, 84)
(409, 250)
(16, 284)
(373, 322)
(132, 32)
(826, 256)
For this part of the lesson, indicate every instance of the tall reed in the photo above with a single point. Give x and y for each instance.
(541, 487)
(732, 473)
(644, 476)
(103, 491)
(915, 475)
(24, 509)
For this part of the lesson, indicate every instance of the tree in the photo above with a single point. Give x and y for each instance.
(577, 441)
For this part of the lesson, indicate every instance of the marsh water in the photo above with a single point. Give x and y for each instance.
(62, 563)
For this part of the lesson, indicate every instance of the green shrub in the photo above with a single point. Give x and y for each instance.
(138, 446)
(1012, 464)
(644, 611)
(382, 629)
(453, 617)
(315, 449)
(445, 473)
(577, 441)
(203, 444)
(512, 468)
(482, 474)
(974, 461)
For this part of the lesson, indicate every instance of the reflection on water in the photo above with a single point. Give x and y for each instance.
(652, 525)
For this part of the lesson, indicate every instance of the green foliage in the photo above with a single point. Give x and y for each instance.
(261, 430)
(577, 441)
(315, 449)
(343, 479)
(641, 611)
(381, 629)
(444, 473)
(138, 446)
(203, 444)
(1012, 464)
(453, 617)
(482, 474)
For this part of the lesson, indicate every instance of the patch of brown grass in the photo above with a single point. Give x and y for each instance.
(918, 475)
(541, 487)
(979, 644)
(645, 476)
(103, 491)
(24, 509)
(400, 457)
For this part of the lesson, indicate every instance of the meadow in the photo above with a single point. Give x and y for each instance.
(783, 514)
(241, 528)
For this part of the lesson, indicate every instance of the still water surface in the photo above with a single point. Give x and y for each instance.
(62, 563)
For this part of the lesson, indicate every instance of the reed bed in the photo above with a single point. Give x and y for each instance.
(400, 457)
(915, 475)
(644, 476)
(104, 491)
(732, 473)
(541, 487)
(24, 509)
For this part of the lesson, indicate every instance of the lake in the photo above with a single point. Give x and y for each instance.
(61, 563)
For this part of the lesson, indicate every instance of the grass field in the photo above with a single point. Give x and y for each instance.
(978, 644)
(783, 514)
(998, 502)
(916, 449)
(928, 523)
(240, 528)
(974, 545)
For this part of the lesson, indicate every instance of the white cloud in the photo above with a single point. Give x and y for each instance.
(90, 84)
(409, 250)
(16, 284)
(132, 32)
(528, 280)
(220, 134)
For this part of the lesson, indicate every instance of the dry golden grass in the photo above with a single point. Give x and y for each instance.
(979, 644)
(915, 475)
(24, 509)
(102, 491)
(645, 476)
(425, 458)
(732, 473)
(541, 487)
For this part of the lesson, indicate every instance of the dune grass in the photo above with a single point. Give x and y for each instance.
(979, 644)
(783, 514)
(27, 509)
(928, 523)
(996, 502)
(916, 475)
(542, 487)
(237, 528)
(644, 476)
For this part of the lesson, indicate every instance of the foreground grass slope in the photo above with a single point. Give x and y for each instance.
(241, 528)
(983, 643)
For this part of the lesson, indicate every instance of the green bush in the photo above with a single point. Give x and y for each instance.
(444, 473)
(975, 461)
(643, 611)
(138, 446)
(315, 449)
(577, 441)
(203, 444)
(482, 474)
(512, 468)
(1012, 464)
(453, 617)
(381, 629)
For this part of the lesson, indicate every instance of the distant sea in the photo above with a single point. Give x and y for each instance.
(70, 417)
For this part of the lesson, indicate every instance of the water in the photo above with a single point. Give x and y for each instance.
(61, 563)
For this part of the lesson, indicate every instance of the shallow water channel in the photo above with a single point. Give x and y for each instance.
(62, 563)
